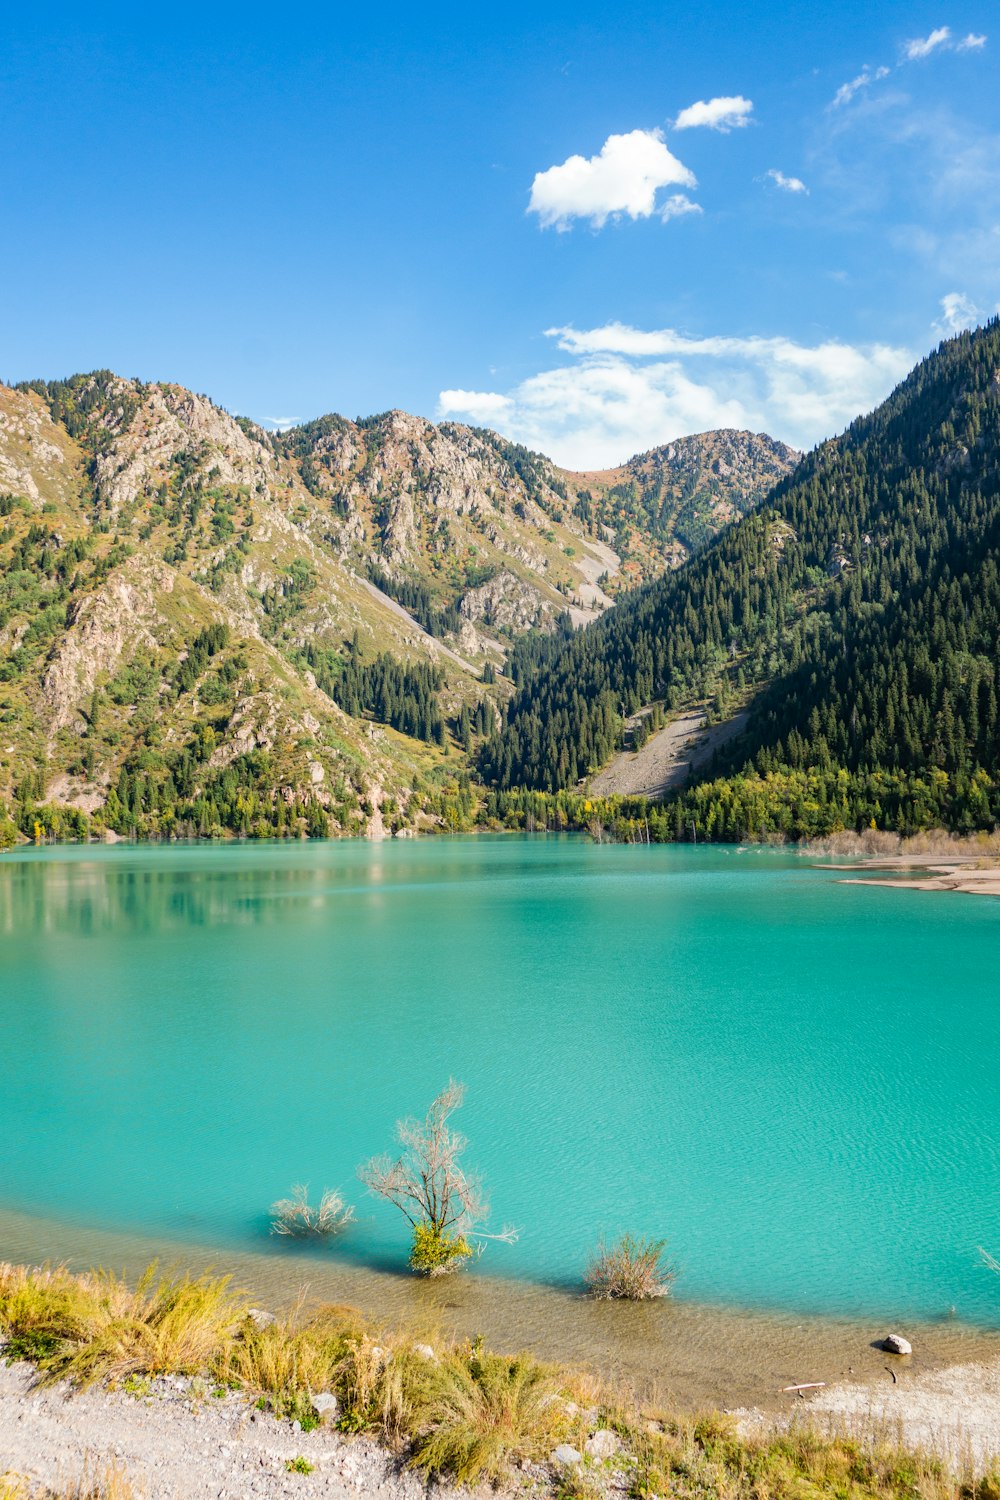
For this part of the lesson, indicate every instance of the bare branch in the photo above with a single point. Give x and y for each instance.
(427, 1182)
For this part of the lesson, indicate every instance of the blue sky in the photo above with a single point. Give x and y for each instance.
(592, 228)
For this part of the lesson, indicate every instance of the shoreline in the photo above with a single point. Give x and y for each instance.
(676, 1353)
(217, 1425)
(962, 873)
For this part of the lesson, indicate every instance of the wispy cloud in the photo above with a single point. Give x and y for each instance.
(914, 50)
(957, 312)
(624, 178)
(787, 184)
(919, 47)
(629, 389)
(864, 79)
(730, 112)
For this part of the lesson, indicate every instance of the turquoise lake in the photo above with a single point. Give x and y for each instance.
(793, 1080)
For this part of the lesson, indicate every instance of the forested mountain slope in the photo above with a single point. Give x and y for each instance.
(860, 607)
(207, 626)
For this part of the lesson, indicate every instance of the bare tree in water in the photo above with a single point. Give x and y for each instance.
(444, 1204)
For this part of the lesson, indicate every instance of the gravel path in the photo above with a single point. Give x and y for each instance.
(182, 1443)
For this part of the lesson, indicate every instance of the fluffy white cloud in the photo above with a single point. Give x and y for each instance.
(971, 43)
(923, 46)
(787, 184)
(725, 114)
(867, 76)
(480, 406)
(623, 178)
(630, 389)
(957, 312)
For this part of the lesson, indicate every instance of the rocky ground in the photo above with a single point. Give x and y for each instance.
(175, 1440)
(666, 758)
(181, 1438)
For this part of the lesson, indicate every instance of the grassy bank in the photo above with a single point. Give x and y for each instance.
(456, 1413)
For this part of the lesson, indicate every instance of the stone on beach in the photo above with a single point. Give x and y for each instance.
(894, 1343)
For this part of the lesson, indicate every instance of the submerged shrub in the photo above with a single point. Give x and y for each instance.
(631, 1269)
(443, 1203)
(435, 1253)
(296, 1216)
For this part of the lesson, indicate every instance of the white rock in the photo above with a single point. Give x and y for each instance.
(325, 1404)
(564, 1454)
(261, 1318)
(424, 1351)
(894, 1343)
(603, 1444)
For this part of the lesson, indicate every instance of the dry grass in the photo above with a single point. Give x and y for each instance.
(707, 1456)
(480, 1414)
(463, 1415)
(106, 1483)
(875, 843)
(632, 1269)
(97, 1327)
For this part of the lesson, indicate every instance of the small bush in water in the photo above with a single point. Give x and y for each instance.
(434, 1253)
(631, 1269)
(297, 1216)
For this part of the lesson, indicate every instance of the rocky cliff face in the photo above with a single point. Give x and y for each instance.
(668, 503)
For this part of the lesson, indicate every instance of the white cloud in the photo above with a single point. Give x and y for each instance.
(867, 76)
(787, 184)
(279, 424)
(725, 114)
(629, 389)
(481, 406)
(971, 43)
(624, 178)
(676, 206)
(923, 46)
(957, 312)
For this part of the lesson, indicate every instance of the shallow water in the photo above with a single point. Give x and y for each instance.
(791, 1079)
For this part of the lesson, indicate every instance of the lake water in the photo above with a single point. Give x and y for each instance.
(793, 1080)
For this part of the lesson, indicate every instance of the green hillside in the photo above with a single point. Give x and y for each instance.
(206, 627)
(859, 613)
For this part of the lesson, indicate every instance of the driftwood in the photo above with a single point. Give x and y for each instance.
(810, 1385)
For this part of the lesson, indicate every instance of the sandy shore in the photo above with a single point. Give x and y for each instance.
(954, 1412)
(678, 1354)
(928, 872)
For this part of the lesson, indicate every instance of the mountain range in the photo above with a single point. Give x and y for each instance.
(207, 626)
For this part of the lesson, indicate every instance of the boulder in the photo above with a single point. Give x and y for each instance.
(325, 1404)
(603, 1444)
(894, 1343)
(564, 1454)
(424, 1351)
(261, 1318)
